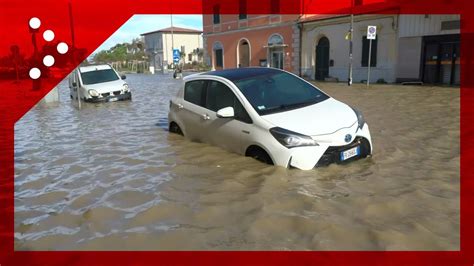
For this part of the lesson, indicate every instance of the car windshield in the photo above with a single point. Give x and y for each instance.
(278, 92)
(98, 76)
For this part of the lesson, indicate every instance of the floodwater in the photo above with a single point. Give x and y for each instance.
(110, 177)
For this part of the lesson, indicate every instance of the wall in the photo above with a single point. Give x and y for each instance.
(335, 30)
(257, 38)
(421, 25)
(189, 41)
(409, 58)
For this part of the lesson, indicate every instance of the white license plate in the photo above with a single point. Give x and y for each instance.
(113, 99)
(350, 153)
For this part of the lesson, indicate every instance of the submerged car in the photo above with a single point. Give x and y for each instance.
(98, 83)
(271, 115)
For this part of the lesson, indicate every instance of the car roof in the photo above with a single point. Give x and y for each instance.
(83, 69)
(236, 74)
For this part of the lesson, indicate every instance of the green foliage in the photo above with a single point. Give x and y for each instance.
(122, 52)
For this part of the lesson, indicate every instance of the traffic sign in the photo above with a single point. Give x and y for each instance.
(371, 32)
(176, 55)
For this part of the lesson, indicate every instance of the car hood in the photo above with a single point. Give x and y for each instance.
(322, 118)
(104, 87)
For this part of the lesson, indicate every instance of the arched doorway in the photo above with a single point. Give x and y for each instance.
(322, 59)
(244, 53)
(275, 51)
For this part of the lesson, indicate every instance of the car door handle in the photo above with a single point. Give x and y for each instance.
(205, 117)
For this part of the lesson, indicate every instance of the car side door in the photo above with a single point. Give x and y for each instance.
(193, 109)
(225, 132)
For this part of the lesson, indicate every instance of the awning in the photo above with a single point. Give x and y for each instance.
(276, 46)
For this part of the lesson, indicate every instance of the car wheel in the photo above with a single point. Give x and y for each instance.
(174, 128)
(259, 154)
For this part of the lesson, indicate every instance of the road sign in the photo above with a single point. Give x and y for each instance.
(371, 35)
(176, 55)
(371, 32)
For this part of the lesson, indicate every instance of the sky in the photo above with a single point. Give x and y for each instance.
(139, 24)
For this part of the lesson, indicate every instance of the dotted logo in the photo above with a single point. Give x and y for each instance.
(48, 36)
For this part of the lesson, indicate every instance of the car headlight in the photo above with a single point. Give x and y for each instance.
(125, 88)
(360, 118)
(93, 93)
(292, 139)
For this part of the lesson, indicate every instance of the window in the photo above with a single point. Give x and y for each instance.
(183, 49)
(365, 52)
(194, 92)
(243, 9)
(220, 96)
(275, 6)
(219, 58)
(217, 16)
(190, 57)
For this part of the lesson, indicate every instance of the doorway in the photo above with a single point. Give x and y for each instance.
(441, 60)
(244, 53)
(276, 58)
(322, 59)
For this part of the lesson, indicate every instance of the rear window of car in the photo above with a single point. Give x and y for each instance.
(195, 92)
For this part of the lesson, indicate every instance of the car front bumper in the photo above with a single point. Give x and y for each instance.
(309, 157)
(112, 98)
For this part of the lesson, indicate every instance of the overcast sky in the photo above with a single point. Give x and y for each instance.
(139, 24)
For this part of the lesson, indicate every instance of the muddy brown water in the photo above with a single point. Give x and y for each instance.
(110, 177)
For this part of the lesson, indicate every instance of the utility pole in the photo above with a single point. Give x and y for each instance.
(351, 33)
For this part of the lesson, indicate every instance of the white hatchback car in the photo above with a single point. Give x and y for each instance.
(98, 83)
(270, 115)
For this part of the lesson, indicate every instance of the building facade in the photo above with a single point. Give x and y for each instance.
(243, 40)
(159, 46)
(407, 48)
(429, 49)
(325, 48)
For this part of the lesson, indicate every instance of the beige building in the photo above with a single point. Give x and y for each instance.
(159, 46)
(325, 48)
(421, 48)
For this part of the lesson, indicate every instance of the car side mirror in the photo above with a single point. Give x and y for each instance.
(123, 77)
(227, 112)
(74, 84)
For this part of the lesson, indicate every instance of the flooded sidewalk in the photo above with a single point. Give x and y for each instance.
(111, 177)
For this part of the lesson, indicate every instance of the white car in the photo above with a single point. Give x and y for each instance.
(98, 83)
(270, 115)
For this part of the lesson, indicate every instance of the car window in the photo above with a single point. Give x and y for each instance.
(277, 92)
(98, 76)
(220, 96)
(194, 92)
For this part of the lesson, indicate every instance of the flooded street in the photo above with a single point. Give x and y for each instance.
(110, 177)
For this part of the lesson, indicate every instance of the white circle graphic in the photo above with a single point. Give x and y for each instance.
(35, 73)
(62, 48)
(35, 23)
(48, 35)
(48, 60)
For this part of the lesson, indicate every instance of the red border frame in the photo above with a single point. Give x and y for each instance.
(17, 98)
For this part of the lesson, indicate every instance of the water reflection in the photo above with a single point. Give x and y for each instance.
(110, 177)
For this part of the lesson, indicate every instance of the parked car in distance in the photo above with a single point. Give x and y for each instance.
(271, 115)
(98, 83)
